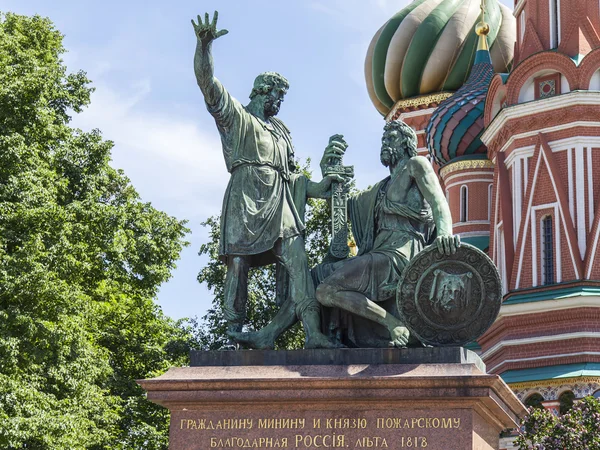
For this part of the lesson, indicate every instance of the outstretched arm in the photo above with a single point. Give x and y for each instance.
(206, 33)
(322, 189)
(424, 176)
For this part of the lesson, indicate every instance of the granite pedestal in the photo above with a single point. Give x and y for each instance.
(434, 398)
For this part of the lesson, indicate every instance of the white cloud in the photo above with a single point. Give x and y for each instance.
(173, 163)
(170, 159)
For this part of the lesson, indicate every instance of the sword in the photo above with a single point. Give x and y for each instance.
(339, 206)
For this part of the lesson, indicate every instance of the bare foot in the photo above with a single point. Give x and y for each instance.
(399, 337)
(253, 339)
(319, 340)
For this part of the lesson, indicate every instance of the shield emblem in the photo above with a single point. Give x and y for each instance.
(449, 300)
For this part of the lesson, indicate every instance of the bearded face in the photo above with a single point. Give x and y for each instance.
(390, 149)
(273, 101)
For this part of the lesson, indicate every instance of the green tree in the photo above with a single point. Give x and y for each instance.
(211, 333)
(579, 428)
(81, 260)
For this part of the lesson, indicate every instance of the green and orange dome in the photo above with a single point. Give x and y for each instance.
(429, 47)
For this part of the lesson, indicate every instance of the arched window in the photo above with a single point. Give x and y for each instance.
(554, 23)
(547, 251)
(596, 394)
(464, 203)
(490, 187)
(534, 401)
(566, 402)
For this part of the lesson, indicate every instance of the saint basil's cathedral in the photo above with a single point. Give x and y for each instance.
(506, 105)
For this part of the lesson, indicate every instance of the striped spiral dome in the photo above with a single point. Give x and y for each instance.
(455, 128)
(430, 46)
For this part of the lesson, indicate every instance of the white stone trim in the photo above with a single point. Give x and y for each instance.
(490, 196)
(562, 219)
(593, 253)
(500, 256)
(522, 152)
(580, 199)
(590, 188)
(471, 222)
(469, 174)
(570, 181)
(465, 182)
(517, 197)
(518, 8)
(538, 358)
(564, 223)
(563, 101)
(573, 140)
(522, 252)
(538, 339)
(417, 113)
(553, 304)
(467, 234)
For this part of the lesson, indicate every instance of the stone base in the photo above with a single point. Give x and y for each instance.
(434, 398)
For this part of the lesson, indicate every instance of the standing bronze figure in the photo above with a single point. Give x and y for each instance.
(263, 207)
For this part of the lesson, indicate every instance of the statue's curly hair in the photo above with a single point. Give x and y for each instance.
(409, 137)
(267, 81)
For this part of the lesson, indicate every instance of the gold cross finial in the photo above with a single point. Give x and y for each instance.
(482, 29)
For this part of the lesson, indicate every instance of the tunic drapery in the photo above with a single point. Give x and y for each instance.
(258, 206)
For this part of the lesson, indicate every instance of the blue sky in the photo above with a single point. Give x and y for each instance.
(139, 55)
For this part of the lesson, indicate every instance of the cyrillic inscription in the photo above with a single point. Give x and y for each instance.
(370, 430)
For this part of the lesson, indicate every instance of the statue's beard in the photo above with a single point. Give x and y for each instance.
(271, 108)
(388, 156)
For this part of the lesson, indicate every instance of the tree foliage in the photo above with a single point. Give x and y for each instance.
(81, 260)
(261, 282)
(579, 428)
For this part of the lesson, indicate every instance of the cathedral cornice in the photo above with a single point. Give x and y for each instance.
(466, 164)
(532, 108)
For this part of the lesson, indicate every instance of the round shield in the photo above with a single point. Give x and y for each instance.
(449, 300)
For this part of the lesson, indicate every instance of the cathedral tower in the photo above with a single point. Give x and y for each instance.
(542, 132)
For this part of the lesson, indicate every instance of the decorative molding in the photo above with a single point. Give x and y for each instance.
(523, 385)
(563, 101)
(551, 304)
(472, 222)
(416, 102)
(540, 358)
(466, 164)
(560, 144)
(465, 176)
(539, 339)
(417, 113)
(551, 389)
(467, 181)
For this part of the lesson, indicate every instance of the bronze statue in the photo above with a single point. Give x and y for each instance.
(391, 222)
(263, 207)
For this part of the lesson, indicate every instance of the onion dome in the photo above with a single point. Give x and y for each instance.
(455, 128)
(429, 46)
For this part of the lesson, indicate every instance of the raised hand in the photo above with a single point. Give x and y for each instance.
(207, 32)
